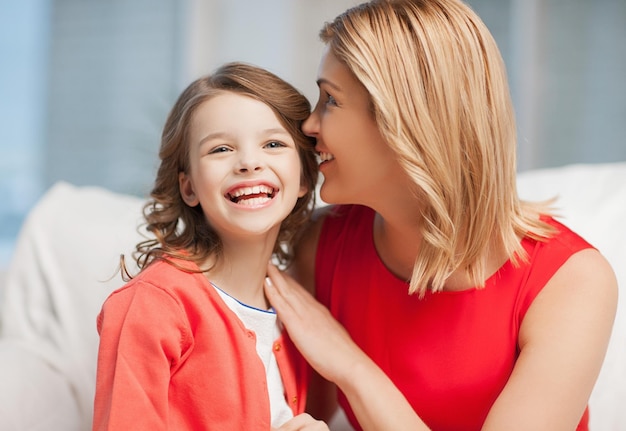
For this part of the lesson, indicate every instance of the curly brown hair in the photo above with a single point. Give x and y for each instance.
(182, 231)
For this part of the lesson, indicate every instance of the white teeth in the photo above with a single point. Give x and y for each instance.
(324, 157)
(254, 201)
(254, 190)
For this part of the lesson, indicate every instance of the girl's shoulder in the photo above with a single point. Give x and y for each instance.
(167, 275)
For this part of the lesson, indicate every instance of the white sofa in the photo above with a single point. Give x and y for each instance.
(64, 266)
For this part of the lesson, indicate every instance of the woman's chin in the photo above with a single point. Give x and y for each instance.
(328, 194)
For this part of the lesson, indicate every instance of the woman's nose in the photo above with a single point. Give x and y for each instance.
(310, 126)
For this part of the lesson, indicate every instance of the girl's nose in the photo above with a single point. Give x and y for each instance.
(249, 163)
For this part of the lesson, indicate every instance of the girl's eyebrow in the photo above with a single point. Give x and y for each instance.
(276, 131)
(211, 136)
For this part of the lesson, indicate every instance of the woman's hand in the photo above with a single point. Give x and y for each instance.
(302, 422)
(326, 345)
(320, 338)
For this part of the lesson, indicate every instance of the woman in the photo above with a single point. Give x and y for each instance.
(464, 307)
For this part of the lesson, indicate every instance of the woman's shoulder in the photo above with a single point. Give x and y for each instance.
(565, 236)
(324, 222)
(574, 272)
(548, 255)
(583, 264)
(302, 268)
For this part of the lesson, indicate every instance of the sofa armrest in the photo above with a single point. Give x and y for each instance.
(64, 266)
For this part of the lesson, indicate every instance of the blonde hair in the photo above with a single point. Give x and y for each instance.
(439, 92)
(182, 231)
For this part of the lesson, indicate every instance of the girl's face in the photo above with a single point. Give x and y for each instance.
(357, 164)
(244, 170)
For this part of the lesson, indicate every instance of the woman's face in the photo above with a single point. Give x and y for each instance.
(357, 164)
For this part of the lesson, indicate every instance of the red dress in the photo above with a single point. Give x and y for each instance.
(450, 353)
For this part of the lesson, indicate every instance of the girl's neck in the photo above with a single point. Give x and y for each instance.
(241, 271)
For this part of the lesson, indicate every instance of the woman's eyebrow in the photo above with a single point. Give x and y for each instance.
(325, 81)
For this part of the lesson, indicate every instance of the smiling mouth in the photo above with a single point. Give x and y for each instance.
(254, 195)
(324, 157)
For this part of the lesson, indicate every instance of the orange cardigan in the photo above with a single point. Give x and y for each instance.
(173, 356)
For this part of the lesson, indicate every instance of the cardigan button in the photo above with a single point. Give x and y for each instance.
(294, 400)
(277, 347)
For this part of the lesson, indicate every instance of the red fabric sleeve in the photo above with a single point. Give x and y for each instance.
(142, 339)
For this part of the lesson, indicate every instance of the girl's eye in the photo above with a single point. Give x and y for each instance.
(221, 149)
(274, 144)
(330, 100)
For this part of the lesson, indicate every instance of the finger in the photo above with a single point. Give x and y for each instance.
(275, 295)
(303, 422)
(283, 296)
(291, 291)
(277, 279)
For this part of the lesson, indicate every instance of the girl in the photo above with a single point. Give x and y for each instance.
(464, 307)
(191, 342)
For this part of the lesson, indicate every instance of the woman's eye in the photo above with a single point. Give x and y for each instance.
(330, 100)
(274, 144)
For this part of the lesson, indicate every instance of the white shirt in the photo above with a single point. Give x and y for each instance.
(267, 328)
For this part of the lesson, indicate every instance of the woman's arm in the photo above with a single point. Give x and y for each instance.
(374, 399)
(322, 394)
(563, 340)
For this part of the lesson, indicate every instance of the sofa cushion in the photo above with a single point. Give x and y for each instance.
(63, 268)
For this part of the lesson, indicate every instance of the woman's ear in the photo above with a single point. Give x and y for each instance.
(186, 190)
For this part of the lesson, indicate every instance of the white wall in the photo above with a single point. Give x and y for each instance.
(280, 35)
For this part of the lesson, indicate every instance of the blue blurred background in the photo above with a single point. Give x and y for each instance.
(85, 85)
